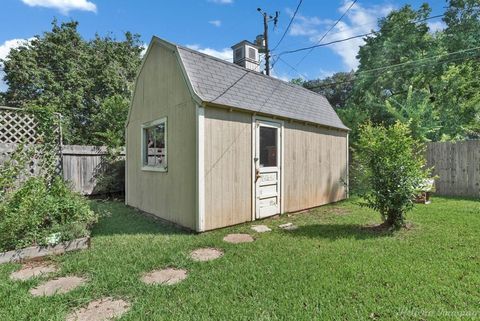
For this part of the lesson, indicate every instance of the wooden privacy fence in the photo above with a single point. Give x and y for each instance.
(87, 169)
(458, 166)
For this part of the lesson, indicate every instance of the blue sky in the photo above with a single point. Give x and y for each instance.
(212, 26)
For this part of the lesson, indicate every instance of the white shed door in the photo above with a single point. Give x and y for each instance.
(267, 168)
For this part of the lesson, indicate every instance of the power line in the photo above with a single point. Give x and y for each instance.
(293, 68)
(324, 44)
(347, 39)
(326, 33)
(289, 25)
(364, 24)
(406, 64)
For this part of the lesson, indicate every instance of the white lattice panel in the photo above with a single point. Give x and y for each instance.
(17, 126)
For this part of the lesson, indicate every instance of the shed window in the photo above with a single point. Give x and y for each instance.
(154, 145)
(268, 147)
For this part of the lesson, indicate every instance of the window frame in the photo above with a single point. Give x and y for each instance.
(150, 124)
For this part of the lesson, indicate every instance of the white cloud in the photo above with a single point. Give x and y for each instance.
(281, 76)
(224, 54)
(436, 26)
(323, 73)
(144, 49)
(216, 23)
(221, 1)
(4, 50)
(303, 26)
(359, 20)
(64, 6)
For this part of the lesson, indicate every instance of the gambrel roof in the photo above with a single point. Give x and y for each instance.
(221, 82)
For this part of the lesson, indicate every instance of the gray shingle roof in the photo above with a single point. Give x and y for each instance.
(224, 83)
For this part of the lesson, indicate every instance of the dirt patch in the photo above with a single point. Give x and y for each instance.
(33, 269)
(100, 310)
(206, 254)
(238, 238)
(58, 286)
(261, 228)
(168, 276)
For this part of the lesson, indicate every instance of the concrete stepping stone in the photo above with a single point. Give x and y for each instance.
(100, 310)
(32, 270)
(288, 226)
(168, 276)
(238, 238)
(261, 228)
(58, 286)
(206, 254)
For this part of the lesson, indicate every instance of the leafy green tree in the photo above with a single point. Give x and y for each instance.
(61, 69)
(399, 39)
(462, 18)
(108, 124)
(336, 88)
(297, 81)
(392, 167)
(432, 86)
(417, 111)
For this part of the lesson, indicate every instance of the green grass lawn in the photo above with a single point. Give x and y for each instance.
(332, 267)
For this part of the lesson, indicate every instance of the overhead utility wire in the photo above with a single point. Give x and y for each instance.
(406, 64)
(346, 39)
(328, 31)
(289, 25)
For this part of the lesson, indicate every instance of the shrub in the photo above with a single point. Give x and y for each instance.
(392, 167)
(41, 213)
(36, 206)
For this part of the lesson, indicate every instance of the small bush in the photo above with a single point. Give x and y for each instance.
(41, 213)
(391, 167)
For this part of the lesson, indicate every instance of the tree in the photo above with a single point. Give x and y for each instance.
(336, 88)
(416, 110)
(392, 168)
(399, 39)
(462, 18)
(425, 79)
(75, 76)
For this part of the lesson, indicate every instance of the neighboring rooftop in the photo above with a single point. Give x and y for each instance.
(224, 83)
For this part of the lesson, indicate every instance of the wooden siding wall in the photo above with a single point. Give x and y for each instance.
(458, 167)
(315, 163)
(161, 91)
(228, 168)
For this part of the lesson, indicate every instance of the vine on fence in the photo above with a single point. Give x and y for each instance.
(37, 207)
(38, 158)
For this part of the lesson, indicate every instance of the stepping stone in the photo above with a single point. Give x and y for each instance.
(100, 310)
(58, 286)
(168, 276)
(238, 238)
(261, 228)
(288, 226)
(206, 254)
(33, 270)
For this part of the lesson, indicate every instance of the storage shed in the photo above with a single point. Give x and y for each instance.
(210, 143)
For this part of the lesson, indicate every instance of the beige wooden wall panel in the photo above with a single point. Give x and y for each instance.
(162, 92)
(457, 165)
(315, 163)
(228, 167)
